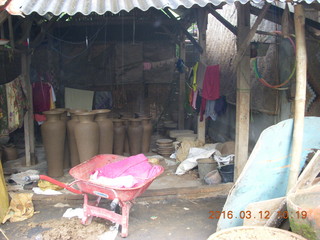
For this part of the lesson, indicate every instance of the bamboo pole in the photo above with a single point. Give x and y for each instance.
(300, 98)
(243, 92)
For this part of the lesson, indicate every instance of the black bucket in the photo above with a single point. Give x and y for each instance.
(227, 173)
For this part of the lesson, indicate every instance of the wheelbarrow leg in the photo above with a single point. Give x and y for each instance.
(87, 216)
(125, 218)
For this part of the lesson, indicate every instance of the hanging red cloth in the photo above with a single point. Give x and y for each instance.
(211, 87)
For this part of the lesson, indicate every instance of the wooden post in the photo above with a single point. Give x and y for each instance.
(28, 117)
(300, 98)
(182, 90)
(243, 92)
(202, 26)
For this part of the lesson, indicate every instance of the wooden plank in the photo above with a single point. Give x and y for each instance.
(202, 22)
(305, 180)
(300, 97)
(182, 90)
(28, 118)
(185, 32)
(225, 22)
(243, 93)
(205, 191)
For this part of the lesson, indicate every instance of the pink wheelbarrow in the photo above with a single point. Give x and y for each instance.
(120, 196)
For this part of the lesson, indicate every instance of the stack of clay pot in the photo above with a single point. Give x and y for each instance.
(88, 134)
(165, 147)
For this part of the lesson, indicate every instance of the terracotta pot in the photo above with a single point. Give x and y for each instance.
(87, 136)
(74, 154)
(53, 132)
(64, 117)
(105, 130)
(9, 152)
(126, 138)
(118, 136)
(135, 135)
(146, 134)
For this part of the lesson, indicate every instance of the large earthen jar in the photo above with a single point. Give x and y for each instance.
(53, 132)
(118, 136)
(64, 117)
(87, 136)
(146, 134)
(105, 130)
(135, 135)
(74, 154)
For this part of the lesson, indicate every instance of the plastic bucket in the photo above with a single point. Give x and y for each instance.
(227, 173)
(206, 165)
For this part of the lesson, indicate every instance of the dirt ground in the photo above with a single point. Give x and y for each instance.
(168, 219)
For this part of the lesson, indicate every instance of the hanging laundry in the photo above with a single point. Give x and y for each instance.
(16, 103)
(43, 99)
(41, 96)
(3, 112)
(210, 110)
(211, 87)
(221, 105)
(102, 100)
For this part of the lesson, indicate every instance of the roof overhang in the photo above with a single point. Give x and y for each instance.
(71, 7)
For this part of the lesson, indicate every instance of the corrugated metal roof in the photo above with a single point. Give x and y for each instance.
(86, 7)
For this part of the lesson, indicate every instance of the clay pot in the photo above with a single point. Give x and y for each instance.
(64, 117)
(53, 132)
(146, 134)
(135, 135)
(87, 136)
(126, 138)
(9, 152)
(74, 154)
(105, 130)
(118, 136)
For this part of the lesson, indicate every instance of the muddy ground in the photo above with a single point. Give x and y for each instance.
(168, 219)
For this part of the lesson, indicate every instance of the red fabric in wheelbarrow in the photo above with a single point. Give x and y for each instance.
(136, 166)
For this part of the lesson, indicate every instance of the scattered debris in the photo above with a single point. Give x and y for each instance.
(76, 212)
(21, 207)
(61, 205)
(37, 190)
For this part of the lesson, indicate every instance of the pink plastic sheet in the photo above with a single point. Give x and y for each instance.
(136, 166)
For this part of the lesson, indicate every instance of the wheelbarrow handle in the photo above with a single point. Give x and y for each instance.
(54, 181)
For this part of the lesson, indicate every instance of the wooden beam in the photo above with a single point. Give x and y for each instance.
(202, 22)
(3, 16)
(182, 81)
(246, 41)
(28, 118)
(300, 97)
(225, 22)
(185, 32)
(243, 91)
(274, 14)
(11, 32)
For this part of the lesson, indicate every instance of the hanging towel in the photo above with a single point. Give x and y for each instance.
(211, 87)
(211, 83)
(41, 96)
